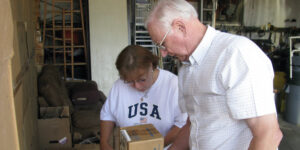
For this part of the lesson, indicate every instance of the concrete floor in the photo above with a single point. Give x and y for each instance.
(291, 135)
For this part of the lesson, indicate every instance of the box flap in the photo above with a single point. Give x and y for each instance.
(54, 112)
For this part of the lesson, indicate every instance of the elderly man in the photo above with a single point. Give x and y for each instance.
(225, 82)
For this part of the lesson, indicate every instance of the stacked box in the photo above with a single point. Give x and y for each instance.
(54, 128)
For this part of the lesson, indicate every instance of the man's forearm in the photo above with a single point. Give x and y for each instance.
(266, 143)
(171, 135)
(266, 132)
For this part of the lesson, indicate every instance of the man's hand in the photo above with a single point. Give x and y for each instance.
(182, 140)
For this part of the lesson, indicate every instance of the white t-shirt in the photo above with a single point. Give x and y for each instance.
(159, 107)
(228, 79)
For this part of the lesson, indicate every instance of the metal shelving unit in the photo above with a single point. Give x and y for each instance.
(141, 35)
(207, 11)
(292, 51)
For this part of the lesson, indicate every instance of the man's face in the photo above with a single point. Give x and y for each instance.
(170, 41)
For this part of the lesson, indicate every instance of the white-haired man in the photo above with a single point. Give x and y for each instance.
(225, 82)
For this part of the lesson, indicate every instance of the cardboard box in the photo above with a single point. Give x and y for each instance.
(141, 137)
(54, 128)
(54, 112)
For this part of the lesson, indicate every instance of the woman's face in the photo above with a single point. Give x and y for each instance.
(143, 81)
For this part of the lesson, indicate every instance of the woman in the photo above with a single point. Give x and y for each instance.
(144, 94)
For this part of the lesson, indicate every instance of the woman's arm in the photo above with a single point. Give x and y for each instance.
(106, 128)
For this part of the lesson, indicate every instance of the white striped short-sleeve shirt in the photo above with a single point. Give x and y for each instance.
(228, 79)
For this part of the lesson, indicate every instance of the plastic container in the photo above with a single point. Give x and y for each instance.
(292, 113)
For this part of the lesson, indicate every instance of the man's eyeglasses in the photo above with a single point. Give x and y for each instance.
(160, 46)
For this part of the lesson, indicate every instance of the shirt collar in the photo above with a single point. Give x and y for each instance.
(201, 50)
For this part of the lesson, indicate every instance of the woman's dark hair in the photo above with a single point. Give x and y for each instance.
(133, 59)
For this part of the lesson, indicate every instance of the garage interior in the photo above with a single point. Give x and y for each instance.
(56, 53)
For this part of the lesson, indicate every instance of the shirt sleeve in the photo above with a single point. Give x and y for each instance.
(181, 100)
(248, 80)
(179, 116)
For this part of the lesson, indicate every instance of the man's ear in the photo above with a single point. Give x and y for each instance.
(179, 25)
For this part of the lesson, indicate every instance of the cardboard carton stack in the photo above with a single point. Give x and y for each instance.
(54, 128)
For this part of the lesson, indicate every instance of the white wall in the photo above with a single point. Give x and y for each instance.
(260, 12)
(108, 36)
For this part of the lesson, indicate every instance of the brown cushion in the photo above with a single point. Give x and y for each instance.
(52, 87)
(86, 119)
(86, 93)
(49, 89)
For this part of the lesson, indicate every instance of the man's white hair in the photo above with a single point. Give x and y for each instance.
(165, 11)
